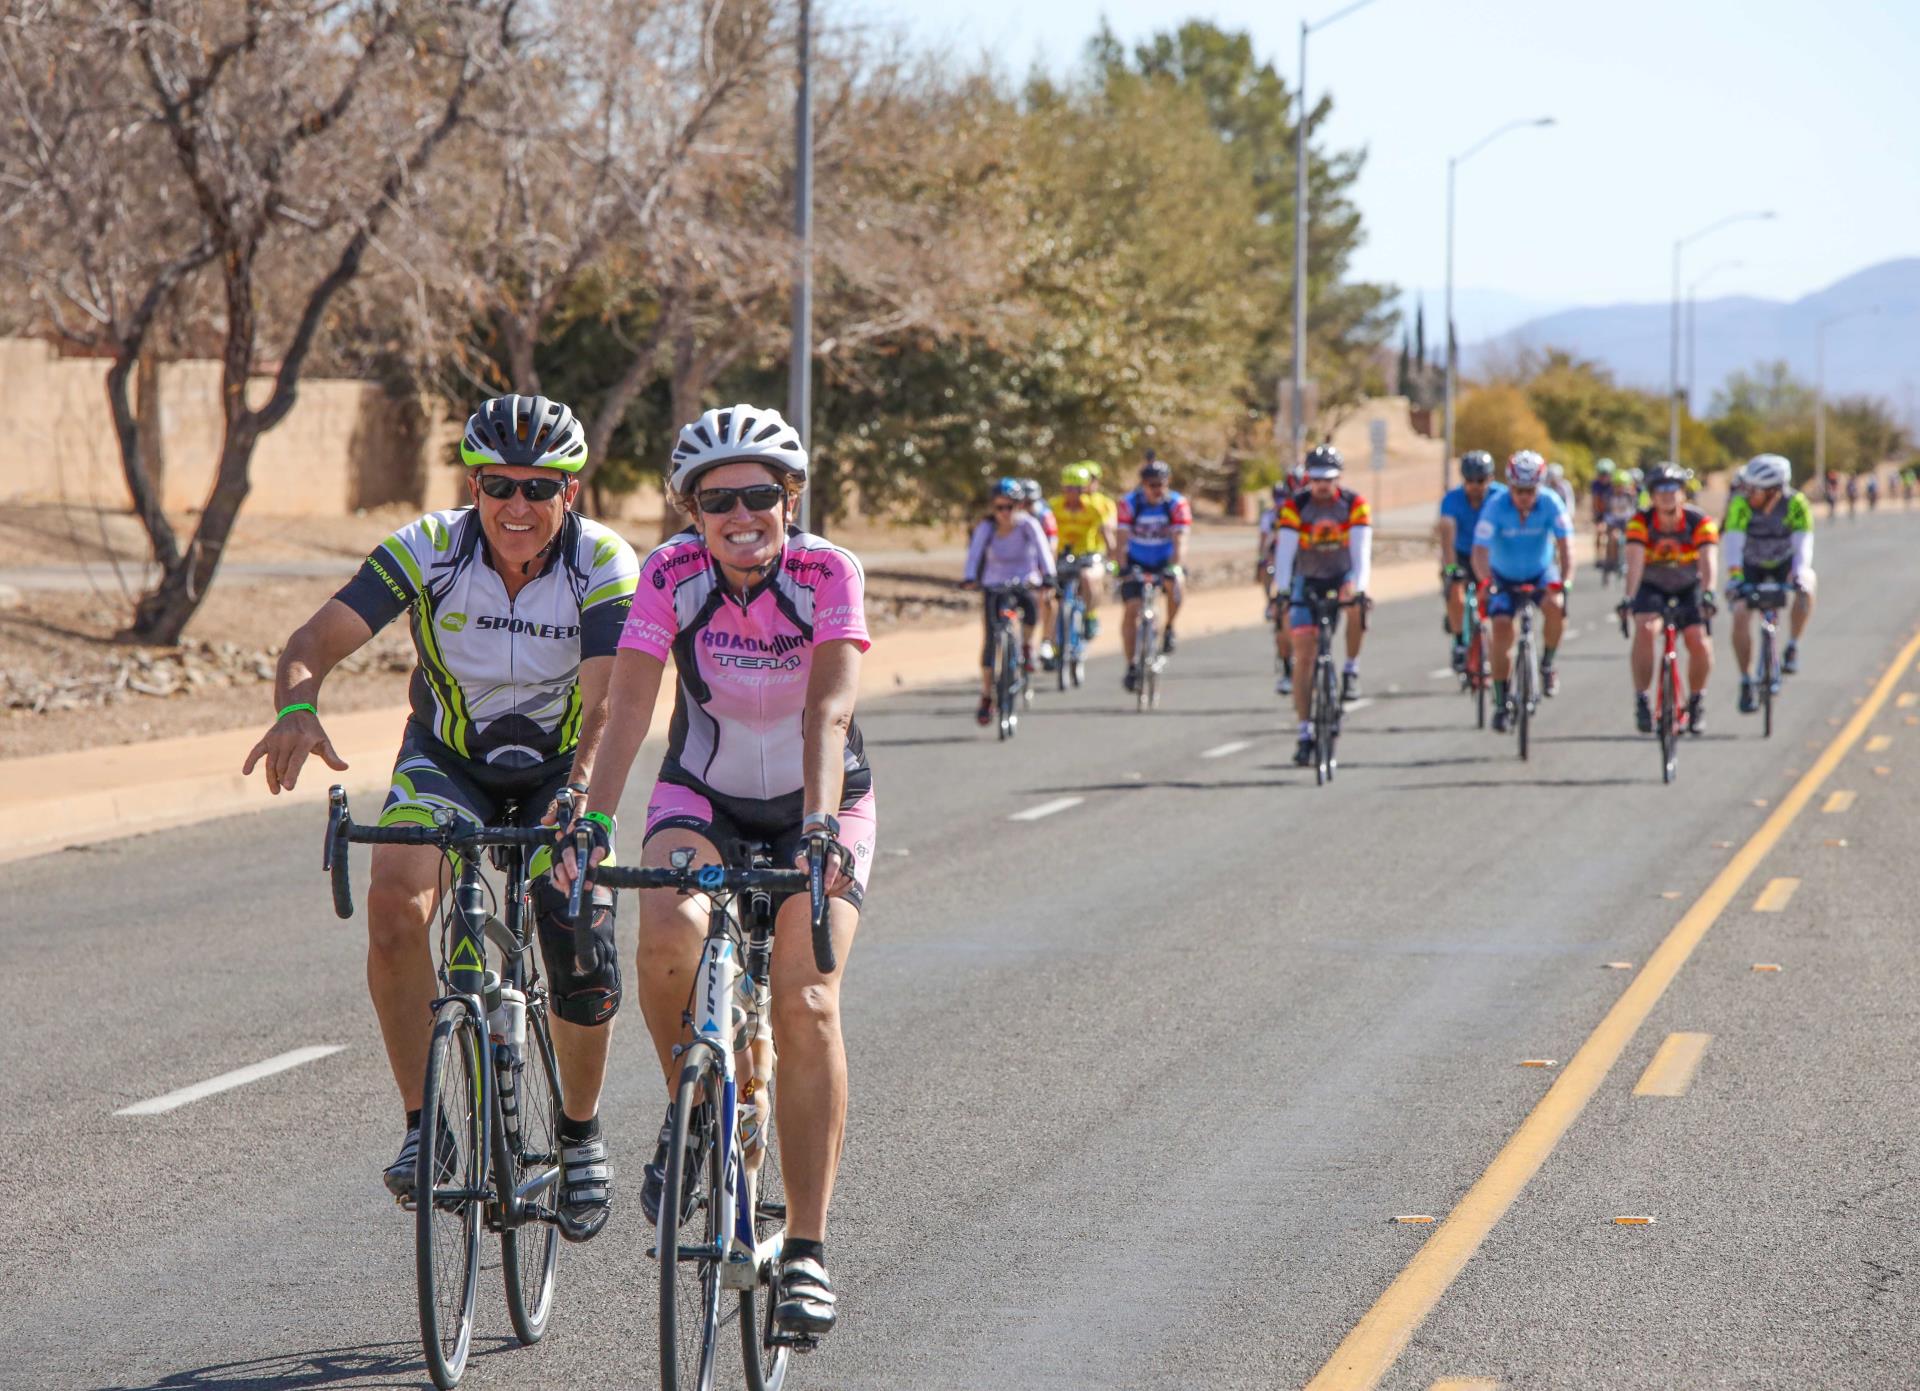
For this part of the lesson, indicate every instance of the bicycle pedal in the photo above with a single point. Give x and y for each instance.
(798, 1342)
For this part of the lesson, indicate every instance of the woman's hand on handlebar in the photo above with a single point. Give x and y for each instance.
(839, 864)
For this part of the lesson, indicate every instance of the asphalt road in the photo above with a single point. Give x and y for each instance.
(1137, 1085)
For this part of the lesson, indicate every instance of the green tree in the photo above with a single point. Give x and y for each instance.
(1499, 420)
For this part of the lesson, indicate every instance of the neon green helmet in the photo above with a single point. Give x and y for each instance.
(1078, 475)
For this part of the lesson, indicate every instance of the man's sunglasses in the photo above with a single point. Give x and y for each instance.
(759, 497)
(500, 488)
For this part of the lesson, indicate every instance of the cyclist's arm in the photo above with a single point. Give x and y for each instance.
(1449, 531)
(1359, 557)
(1044, 549)
(832, 686)
(977, 552)
(1482, 564)
(317, 646)
(1709, 561)
(618, 725)
(596, 675)
(1286, 545)
(1636, 565)
(1182, 521)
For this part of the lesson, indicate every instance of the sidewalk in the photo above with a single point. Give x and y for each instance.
(58, 800)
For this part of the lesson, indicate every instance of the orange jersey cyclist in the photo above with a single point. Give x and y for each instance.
(1323, 545)
(1671, 550)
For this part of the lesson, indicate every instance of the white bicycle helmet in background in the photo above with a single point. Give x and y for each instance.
(1767, 471)
(1526, 469)
(737, 434)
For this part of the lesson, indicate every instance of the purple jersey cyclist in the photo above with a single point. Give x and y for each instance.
(765, 626)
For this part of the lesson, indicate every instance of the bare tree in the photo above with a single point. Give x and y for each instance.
(239, 159)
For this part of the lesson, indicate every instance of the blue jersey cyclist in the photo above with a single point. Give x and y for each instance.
(1153, 523)
(1459, 514)
(516, 604)
(1524, 538)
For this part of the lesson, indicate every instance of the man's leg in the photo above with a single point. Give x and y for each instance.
(401, 897)
(1699, 658)
(1304, 644)
(1501, 657)
(1129, 626)
(1646, 632)
(1742, 617)
(1801, 611)
(1456, 608)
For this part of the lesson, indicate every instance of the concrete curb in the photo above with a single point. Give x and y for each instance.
(54, 801)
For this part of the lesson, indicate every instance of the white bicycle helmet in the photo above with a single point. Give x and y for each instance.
(1603, 467)
(734, 434)
(1526, 469)
(528, 431)
(1767, 471)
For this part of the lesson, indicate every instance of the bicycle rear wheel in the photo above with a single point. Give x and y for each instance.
(528, 1252)
(1664, 720)
(1143, 643)
(689, 1251)
(1523, 694)
(449, 1180)
(766, 1363)
(1477, 674)
(1063, 639)
(1326, 711)
(1005, 680)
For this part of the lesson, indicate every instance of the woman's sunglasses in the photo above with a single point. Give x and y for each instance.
(1003, 507)
(759, 497)
(501, 488)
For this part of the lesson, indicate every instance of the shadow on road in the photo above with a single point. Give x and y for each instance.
(372, 1367)
(1516, 782)
(1167, 785)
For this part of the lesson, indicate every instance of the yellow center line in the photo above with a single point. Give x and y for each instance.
(1369, 1351)
(1774, 897)
(1879, 742)
(1839, 801)
(1671, 1071)
(1465, 1384)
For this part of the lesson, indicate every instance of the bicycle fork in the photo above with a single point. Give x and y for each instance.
(719, 1023)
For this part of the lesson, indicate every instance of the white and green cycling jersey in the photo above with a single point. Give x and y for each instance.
(498, 678)
(1779, 539)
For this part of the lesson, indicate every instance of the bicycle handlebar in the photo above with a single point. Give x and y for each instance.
(452, 835)
(722, 879)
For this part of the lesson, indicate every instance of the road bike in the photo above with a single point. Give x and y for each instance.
(490, 1111)
(1524, 691)
(722, 1208)
(1767, 599)
(1476, 676)
(1610, 562)
(1670, 719)
(1149, 660)
(1011, 687)
(1070, 619)
(1324, 709)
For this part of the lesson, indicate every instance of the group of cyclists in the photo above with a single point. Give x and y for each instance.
(543, 639)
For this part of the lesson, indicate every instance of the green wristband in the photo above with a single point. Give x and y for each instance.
(291, 708)
(599, 818)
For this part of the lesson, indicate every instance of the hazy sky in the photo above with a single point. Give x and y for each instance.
(1671, 114)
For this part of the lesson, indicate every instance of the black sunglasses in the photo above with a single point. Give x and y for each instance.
(759, 497)
(500, 488)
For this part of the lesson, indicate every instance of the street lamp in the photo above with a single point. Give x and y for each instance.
(1673, 332)
(1446, 458)
(1300, 233)
(1692, 290)
(1820, 388)
(800, 354)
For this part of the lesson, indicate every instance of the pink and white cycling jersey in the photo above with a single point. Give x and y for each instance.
(743, 666)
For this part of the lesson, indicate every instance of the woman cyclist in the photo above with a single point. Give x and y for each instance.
(766, 626)
(1008, 548)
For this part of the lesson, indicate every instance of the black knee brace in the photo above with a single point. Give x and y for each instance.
(585, 993)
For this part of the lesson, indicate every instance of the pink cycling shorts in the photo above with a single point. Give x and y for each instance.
(728, 820)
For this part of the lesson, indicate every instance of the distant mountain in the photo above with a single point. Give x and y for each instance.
(1478, 314)
(1875, 353)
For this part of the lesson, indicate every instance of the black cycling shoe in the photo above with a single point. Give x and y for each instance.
(1303, 754)
(1459, 659)
(1749, 698)
(806, 1300)
(1696, 711)
(1642, 713)
(1166, 643)
(653, 1179)
(984, 715)
(1502, 717)
(1790, 659)
(1130, 679)
(1349, 687)
(586, 1190)
(1549, 682)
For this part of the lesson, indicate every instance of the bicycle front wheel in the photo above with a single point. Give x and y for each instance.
(689, 1250)
(1523, 696)
(1143, 661)
(449, 1187)
(528, 1252)
(1005, 696)
(766, 1362)
(1663, 721)
(1326, 706)
(1063, 640)
(1769, 676)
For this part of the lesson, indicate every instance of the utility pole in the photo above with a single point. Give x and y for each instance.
(800, 356)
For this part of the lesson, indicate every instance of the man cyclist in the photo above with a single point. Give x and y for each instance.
(1670, 552)
(1153, 521)
(1524, 538)
(1324, 548)
(1600, 492)
(1085, 521)
(1459, 514)
(766, 626)
(516, 604)
(1557, 479)
(1768, 539)
(1276, 601)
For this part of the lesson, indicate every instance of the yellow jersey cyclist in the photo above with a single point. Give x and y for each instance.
(516, 604)
(765, 626)
(1768, 539)
(1086, 522)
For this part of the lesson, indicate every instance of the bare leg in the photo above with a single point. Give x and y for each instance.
(581, 1051)
(1743, 637)
(1801, 612)
(672, 928)
(1646, 631)
(401, 898)
(812, 1111)
(1305, 645)
(1501, 658)
(1699, 658)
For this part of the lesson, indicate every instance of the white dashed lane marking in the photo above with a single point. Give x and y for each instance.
(1225, 749)
(1046, 808)
(226, 1081)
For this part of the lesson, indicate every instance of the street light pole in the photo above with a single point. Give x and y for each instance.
(800, 355)
(1673, 328)
(1820, 389)
(1692, 309)
(1300, 236)
(1446, 457)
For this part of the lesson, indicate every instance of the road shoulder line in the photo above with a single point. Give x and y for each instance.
(1375, 1343)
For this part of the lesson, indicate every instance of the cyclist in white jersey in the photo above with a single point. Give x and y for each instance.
(516, 604)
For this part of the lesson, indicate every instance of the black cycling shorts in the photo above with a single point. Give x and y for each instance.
(1686, 614)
